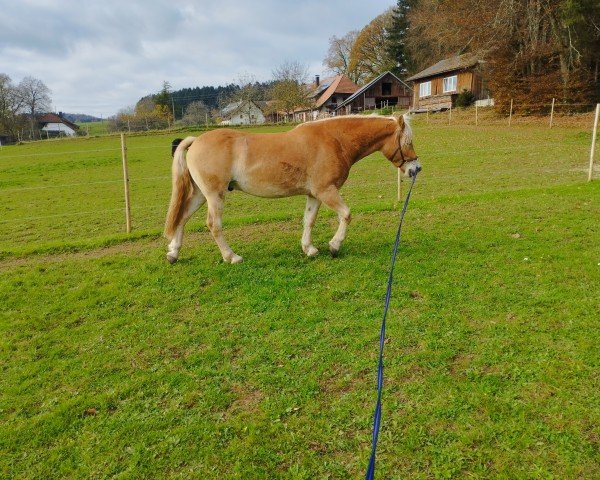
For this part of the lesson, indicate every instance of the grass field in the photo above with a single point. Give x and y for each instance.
(94, 128)
(115, 364)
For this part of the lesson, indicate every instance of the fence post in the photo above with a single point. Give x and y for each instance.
(510, 114)
(552, 113)
(595, 131)
(126, 183)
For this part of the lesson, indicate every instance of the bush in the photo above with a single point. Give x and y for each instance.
(465, 99)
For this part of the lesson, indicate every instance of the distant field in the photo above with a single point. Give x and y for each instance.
(94, 128)
(115, 364)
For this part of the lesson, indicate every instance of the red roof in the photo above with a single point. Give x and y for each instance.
(54, 118)
(337, 84)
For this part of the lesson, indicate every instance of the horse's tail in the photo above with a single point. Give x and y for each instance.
(183, 185)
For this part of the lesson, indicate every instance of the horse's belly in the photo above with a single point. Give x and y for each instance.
(281, 179)
(269, 190)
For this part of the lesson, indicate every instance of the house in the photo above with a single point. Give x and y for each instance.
(324, 96)
(385, 90)
(437, 87)
(242, 113)
(54, 125)
(330, 92)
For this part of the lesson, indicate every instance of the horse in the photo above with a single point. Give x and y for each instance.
(312, 159)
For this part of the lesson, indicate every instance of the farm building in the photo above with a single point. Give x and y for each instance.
(54, 125)
(385, 90)
(242, 113)
(437, 87)
(325, 95)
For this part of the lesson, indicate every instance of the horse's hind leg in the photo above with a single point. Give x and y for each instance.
(310, 215)
(214, 223)
(194, 203)
(332, 198)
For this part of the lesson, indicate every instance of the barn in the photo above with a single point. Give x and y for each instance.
(437, 87)
(385, 90)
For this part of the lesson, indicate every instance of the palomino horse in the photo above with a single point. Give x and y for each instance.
(313, 159)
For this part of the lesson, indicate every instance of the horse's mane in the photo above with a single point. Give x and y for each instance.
(404, 139)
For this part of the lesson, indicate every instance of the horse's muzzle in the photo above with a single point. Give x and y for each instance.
(412, 168)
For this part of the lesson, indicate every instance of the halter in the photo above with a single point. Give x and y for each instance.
(399, 149)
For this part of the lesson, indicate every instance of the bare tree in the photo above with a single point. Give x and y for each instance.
(338, 55)
(196, 113)
(36, 98)
(11, 104)
(289, 90)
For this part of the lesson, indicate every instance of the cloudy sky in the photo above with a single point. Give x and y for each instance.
(98, 56)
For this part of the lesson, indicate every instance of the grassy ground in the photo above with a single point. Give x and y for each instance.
(94, 128)
(114, 364)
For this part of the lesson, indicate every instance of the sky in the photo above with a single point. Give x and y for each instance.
(99, 56)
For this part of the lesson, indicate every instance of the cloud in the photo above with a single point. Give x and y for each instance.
(98, 57)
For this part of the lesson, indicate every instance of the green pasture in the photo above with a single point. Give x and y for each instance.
(94, 128)
(114, 364)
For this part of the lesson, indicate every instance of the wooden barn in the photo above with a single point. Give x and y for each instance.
(437, 87)
(385, 90)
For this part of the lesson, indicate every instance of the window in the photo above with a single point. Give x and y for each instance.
(450, 84)
(425, 89)
(386, 88)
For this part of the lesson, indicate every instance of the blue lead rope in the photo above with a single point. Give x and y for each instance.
(388, 294)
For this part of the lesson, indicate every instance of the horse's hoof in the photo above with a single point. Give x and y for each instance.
(311, 251)
(334, 251)
(236, 259)
(171, 259)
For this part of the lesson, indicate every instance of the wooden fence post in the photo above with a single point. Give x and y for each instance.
(126, 183)
(594, 132)
(552, 113)
(510, 114)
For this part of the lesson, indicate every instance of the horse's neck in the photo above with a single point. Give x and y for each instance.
(365, 136)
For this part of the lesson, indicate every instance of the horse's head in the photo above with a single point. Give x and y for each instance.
(400, 151)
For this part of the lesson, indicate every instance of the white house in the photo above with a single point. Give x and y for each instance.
(55, 125)
(242, 113)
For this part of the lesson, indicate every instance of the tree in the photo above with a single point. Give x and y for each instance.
(396, 38)
(11, 104)
(289, 90)
(338, 55)
(369, 56)
(164, 98)
(36, 99)
(196, 113)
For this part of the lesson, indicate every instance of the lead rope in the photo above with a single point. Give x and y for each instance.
(377, 415)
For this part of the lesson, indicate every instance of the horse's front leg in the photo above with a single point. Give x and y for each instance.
(332, 198)
(310, 215)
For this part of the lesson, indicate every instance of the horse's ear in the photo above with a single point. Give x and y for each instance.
(400, 120)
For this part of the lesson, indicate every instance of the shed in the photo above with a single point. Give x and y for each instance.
(437, 87)
(385, 90)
